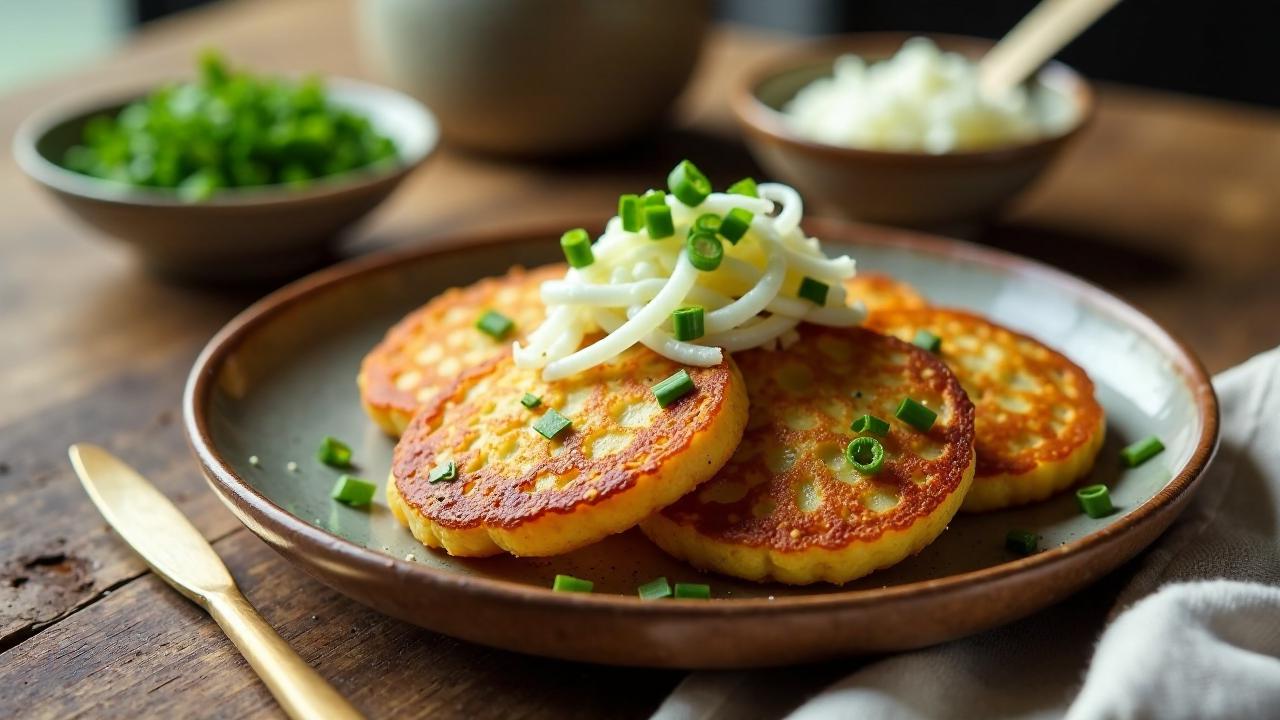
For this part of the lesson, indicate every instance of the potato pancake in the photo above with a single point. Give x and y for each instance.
(431, 347)
(514, 490)
(789, 506)
(881, 292)
(1039, 427)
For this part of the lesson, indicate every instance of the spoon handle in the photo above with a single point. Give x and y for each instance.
(302, 693)
(1036, 38)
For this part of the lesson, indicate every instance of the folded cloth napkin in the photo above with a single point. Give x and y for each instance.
(1191, 629)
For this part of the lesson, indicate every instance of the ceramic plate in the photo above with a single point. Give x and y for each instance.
(282, 375)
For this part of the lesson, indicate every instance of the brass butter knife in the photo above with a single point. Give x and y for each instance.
(177, 552)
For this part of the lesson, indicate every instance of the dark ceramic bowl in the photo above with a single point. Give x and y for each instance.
(914, 189)
(240, 232)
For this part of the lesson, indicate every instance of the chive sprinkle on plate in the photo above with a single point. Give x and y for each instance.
(444, 472)
(1095, 501)
(576, 245)
(865, 454)
(813, 291)
(673, 388)
(569, 583)
(688, 323)
(655, 589)
(551, 424)
(870, 424)
(927, 340)
(495, 324)
(916, 415)
(1141, 451)
(334, 453)
(353, 491)
(736, 224)
(692, 591)
(1022, 542)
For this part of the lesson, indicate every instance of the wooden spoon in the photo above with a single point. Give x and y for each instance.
(1036, 38)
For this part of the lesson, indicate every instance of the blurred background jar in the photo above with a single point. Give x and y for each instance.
(543, 78)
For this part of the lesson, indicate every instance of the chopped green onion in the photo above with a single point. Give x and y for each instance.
(1141, 451)
(692, 591)
(736, 224)
(1022, 542)
(653, 198)
(688, 184)
(673, 388)
(530, 401)
(916, 415)
(706, 222)
(1095, 501)
(353, 491)
(569, 583)
(705, 251)
(334, 453)
(657, 220)
(228, 128)
(629, 211)
(576, 245)
(551, 424)
(927, 340)
(870, 424)
(655, 589)
(687, 322)
(813, 291)
(745, 186)
(444, 472)
(495, 324)
(865, 454)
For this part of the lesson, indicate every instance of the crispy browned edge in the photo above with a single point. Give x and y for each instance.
(265, 517)
(1095, 414)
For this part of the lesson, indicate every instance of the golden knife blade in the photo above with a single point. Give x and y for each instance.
(179, 554)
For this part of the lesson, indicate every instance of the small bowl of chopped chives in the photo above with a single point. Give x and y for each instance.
(230, 174)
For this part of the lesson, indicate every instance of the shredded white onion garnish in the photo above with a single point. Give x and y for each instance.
(633, 284)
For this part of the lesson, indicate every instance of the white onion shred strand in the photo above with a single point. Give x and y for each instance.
(635, 283)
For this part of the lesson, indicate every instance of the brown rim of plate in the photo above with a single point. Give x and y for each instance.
(759, 119)
(306, 537)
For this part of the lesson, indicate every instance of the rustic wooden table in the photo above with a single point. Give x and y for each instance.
(1172, 202)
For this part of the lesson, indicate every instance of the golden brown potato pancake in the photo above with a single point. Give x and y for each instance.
(788, 506)
(882, 292)
(431, 347)
(1039, 427)
(516, 491)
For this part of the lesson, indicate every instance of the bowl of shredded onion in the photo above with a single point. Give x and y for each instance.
(691, 274)
(893, 128)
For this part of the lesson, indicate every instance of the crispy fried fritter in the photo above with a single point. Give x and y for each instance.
(882, 292)
(788, 506)
(1039, 427)
(423, 354)
(516, 491)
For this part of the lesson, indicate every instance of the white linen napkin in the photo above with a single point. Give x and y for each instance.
(1191, 629)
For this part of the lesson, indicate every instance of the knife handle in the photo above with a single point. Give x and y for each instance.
(300, 690)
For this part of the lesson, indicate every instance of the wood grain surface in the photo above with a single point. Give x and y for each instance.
(1171, 202)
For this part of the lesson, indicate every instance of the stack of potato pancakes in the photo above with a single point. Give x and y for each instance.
(747, 475)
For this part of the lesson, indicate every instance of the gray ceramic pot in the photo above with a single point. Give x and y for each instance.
(537, 78)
